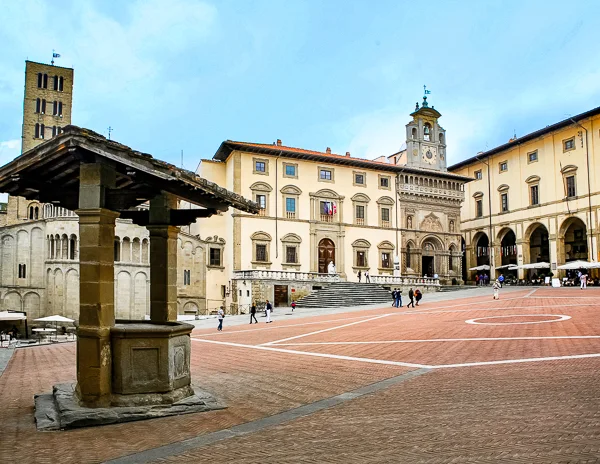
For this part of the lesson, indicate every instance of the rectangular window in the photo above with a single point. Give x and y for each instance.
(385, 214)
(504, 202)
(290, 170)
(359, 179)
(55, 109)
(55, 82)
(260, 166)
(22, 271)
(360, 259)
(60, 113)
(325, 174)
(43, 106)
(215, 257)
(262, 201)
(384, 182)
(42, 131)
(478, 175)
(60, 84)
(532, 157)
(39, 80)
(534, 195)
(290, 254)
(360, 212)
(569, 144)
(478, 208)
(186, 277)
(290, 205)
(571, 191)
(503, 166)
(386, 263)
(261, 253)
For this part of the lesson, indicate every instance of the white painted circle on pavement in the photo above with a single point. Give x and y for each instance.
(560, 317)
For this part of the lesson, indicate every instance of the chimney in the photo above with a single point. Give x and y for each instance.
(328, 151)
(348, 154)
(278, 142)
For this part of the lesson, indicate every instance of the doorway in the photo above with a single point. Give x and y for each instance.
(281, 295)
(326, 254)
(428, 266)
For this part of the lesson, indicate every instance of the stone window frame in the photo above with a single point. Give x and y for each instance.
(360, 199)
(290, 240)
(285, 164)
(503, 163)
(537, 157)
(389, 179)
(326, 168)
(290, 191)
(385, 203)
(478, 196)
(261, 238)
(503, 190)
(533, 181)
(260, 160)
(262, 188)
(569, 171)
(221, 250)
(359, 173)
(566, 141)
(385, 247)
(360, 245)
(478, 175)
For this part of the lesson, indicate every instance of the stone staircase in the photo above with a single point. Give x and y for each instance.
(339, 294)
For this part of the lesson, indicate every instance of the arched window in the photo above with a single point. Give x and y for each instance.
(414, 133)
(42, 127)
(60, 84)
(31, 212)
(45, 85)
(427, 131)
(37, 131)
(36, 212)
(44, 106)
(40, 80)
(408, 255)
(117, 249)
(55, 82)
(441, 138)
(38, 105)
(72, 246)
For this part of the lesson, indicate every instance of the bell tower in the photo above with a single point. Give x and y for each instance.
(426, 139)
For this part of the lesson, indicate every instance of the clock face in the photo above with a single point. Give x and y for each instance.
(430, 155)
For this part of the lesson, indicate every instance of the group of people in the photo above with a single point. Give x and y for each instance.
(412, 296)
(253, 320)
(482, 279)
(367, 278)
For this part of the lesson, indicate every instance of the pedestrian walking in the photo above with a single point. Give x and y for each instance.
(496, 288)
(359, 276)
(501, 280)
(398, 298)
(583, 281)
(477, 279)
(394, 298)
(268, 310)
(418, 296)
(411, 297)
(220, 316)
(367, 277)
(253, 313)
(293, 305)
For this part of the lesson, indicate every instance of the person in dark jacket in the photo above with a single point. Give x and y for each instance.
(393, 298)
(418, 296)
(398, 298)
(253, 313)
(411, 297)
(359, 276)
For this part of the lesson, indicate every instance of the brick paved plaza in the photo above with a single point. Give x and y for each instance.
(519, 383)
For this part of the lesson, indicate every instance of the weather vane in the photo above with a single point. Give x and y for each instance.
(54, 55)
(427, 92)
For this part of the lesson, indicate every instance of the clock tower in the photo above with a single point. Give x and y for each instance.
(425, 139)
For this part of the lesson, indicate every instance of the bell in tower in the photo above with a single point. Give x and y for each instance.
(426, 139)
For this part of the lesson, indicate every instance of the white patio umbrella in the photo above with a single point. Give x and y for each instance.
(507, 266)
(56, 319)
(483, 267)
(579, 265)
(534, 266)
(8, 316)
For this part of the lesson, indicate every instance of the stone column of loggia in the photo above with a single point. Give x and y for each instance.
(163, 259)
(96, 286)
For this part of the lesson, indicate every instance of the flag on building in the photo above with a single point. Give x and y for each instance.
(55, 55)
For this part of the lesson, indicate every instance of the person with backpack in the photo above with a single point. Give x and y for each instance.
(253, 313)
(268, 310)
(411, 296)
(418, 295)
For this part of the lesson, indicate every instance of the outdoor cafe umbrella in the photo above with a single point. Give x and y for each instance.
(483, 267)
(56, 319)
(534, 266)
(579, 265)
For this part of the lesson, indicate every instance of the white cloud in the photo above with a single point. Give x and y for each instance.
(9, 150)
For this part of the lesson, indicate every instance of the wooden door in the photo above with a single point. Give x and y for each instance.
(326, 254)
(281, 295)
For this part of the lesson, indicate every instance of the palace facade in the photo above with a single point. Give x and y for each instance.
(535, 198)
(396, 217)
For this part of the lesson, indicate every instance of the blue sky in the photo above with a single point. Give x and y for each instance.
(187, 74)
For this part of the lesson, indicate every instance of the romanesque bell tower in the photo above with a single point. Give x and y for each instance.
(426, 139)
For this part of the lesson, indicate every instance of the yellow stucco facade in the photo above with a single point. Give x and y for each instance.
(535, 198)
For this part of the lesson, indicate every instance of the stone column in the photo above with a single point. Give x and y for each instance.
(96, 286)
(163, 260)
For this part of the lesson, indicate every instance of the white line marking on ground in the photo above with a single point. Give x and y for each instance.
(319, 355)
(278, 326)
(434, 340)
(531, 292)
(516, 361)
(560, 318)
(326, 330)
(492, 309)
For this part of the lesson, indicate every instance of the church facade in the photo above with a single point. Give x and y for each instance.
(396, 217)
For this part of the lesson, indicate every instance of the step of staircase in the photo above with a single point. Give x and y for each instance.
(339, 294)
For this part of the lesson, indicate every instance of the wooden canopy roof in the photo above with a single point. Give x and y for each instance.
(49, 173)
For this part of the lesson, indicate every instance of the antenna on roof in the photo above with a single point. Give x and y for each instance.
(110, 129)
(182, 158)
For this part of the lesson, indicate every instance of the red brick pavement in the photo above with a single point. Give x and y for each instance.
(535, 412)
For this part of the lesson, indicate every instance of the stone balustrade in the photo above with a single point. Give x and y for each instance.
(257, 274)
(400, 280)
(432, 191)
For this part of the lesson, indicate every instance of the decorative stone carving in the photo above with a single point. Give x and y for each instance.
(431, 223)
